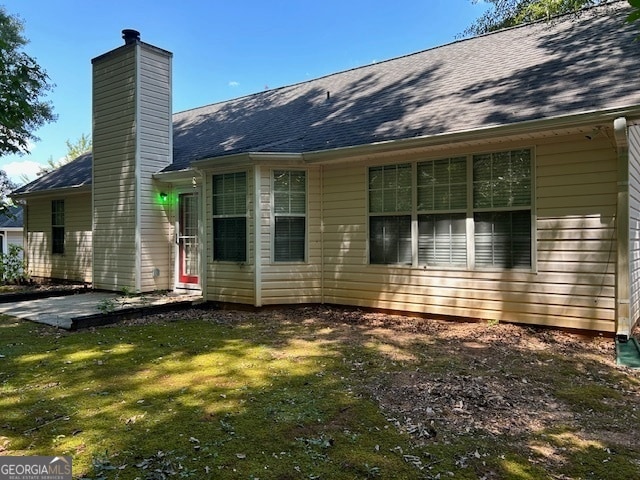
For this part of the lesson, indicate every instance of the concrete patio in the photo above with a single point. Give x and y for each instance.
(68, 311)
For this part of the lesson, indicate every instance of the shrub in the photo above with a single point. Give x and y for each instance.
(13, 268)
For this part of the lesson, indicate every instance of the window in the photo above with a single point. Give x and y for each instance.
(230, 217)
(502, 209)
(442, 206)
(57, 227)
(470, 211)
(390, 214)
(290, 215)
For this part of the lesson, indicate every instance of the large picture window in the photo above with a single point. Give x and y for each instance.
(290, 215)
(57, 227)
(468, 211)
(230, 217)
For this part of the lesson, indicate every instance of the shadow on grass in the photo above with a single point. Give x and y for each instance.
(287, 394)
(196, 399)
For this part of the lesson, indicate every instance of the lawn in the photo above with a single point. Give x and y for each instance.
(317, 393)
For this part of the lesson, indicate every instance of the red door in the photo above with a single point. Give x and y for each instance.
(188, 249)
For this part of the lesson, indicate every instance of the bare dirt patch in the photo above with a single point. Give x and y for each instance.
(442, 379)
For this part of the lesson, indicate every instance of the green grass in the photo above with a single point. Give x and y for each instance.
(195, 398)
(270, 398)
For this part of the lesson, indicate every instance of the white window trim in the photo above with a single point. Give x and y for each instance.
(272, 216)
(470, 224)
(246, 216)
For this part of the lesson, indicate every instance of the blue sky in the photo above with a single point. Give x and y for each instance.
(221, 50)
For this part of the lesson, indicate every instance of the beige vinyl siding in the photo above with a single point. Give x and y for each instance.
(634, 221)
(232, 282)
(291, 282)
(131, 142)
(154, 138)
(570, 285)
(114, 142)
(75, 263)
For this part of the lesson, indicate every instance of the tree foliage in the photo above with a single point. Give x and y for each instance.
(6, 186)
(508, 13)
(23, 83)
(74, 149)
(634, 16)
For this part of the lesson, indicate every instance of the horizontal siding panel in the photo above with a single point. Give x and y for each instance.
(573, 282)
(558, 321)
(585, 200)
(605, 175)
(75, 263)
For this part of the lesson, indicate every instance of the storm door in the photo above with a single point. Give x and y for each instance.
(188, 245)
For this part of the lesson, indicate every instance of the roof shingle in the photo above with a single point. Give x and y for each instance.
(574, 64)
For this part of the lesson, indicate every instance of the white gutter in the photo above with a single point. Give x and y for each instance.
(257, 234)
(341, 154)
(75, 189)
(483, 133)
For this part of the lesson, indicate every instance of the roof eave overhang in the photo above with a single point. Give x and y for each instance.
(371, 150)
(52, 192)
(479, 134)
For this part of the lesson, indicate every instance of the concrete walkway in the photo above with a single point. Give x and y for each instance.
(61, 311)
(58, 311)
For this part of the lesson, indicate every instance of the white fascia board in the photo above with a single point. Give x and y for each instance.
(342, 154)
(56, 192)
(529, 126)
(251, 158)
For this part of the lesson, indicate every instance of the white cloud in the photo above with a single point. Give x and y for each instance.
(234, 84)
(16, 170)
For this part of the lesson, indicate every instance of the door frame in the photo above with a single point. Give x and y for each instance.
(178, 284)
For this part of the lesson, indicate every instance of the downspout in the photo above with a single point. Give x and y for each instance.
(623, 288)
(202, 241)
(25, 235)
(322, 234)
(257, 236)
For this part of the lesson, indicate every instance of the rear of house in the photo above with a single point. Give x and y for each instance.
(494, 178)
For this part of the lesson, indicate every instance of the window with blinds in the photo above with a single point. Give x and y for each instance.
(390, 206)
(471, 211)
(502, 209)
(442, 205)
(230, 217)
(290, 215)
(57, 227)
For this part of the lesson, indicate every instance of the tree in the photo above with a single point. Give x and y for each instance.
(22, 84)
(634, 16)
(508, 13)
(6, 186)
(74, 150)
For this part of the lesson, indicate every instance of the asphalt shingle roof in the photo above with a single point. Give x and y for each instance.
(573, 64)
(15, 220)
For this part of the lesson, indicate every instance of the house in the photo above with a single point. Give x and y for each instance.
(496, 178)
(11, 228)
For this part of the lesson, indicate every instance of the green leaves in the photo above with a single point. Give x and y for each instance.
(508, 13)
(23, 83)
(634, 16)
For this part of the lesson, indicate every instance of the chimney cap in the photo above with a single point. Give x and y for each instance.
(130, 36)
